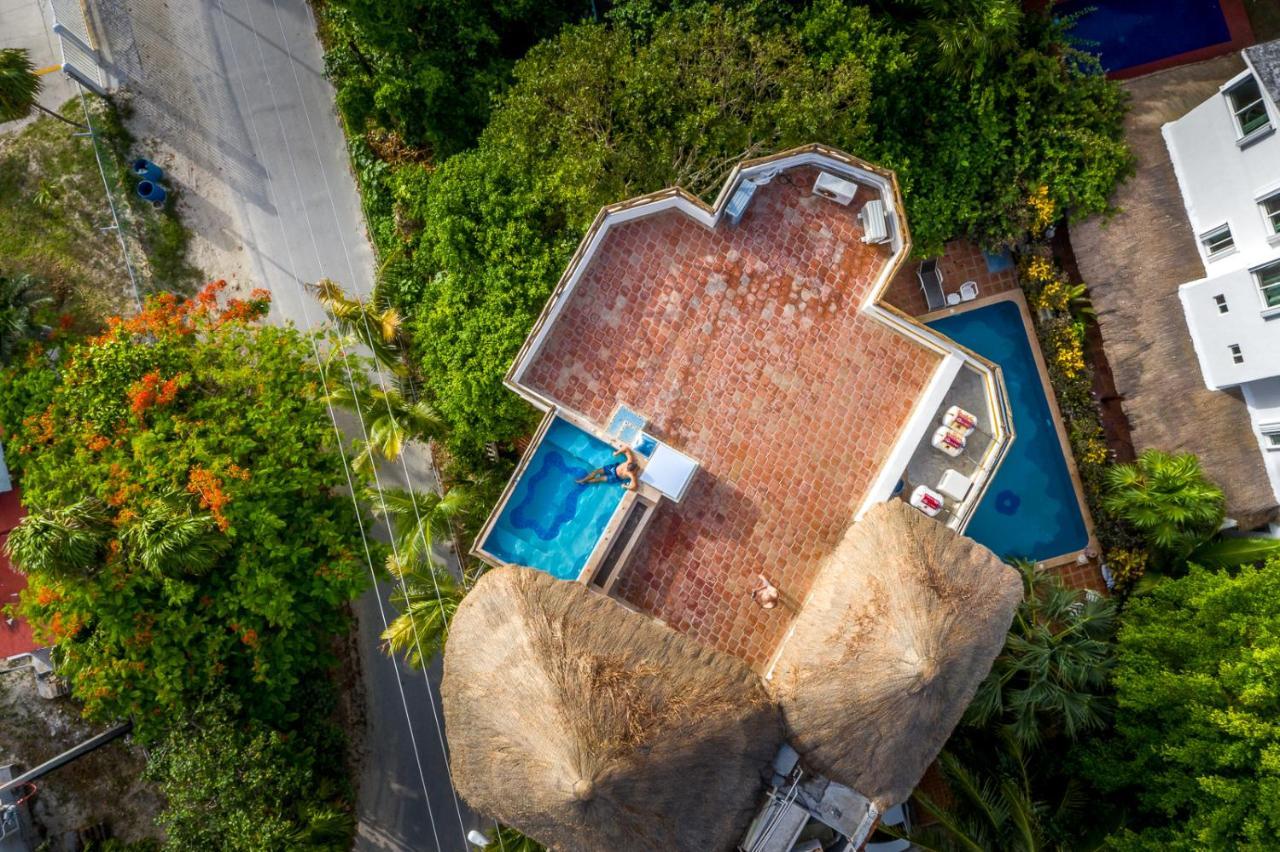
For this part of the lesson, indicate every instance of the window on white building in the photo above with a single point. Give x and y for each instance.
(1268, 278)
(1248, 107)
(1221, 301)
(1218, 241)
(1237, 357)
(1271, 436)
(1271, 211)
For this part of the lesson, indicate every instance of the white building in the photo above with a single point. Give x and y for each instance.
(1226, 155)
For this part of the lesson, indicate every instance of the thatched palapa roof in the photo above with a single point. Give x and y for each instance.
(1133, 264)
(588, 726)
(900, 627)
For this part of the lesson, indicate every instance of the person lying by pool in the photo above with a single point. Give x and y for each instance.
(628, 473)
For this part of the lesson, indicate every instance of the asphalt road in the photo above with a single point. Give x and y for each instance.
(238, 86)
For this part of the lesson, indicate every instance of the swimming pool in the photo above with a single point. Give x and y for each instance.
(1030, 508)
(550, 522)
(1128, 33)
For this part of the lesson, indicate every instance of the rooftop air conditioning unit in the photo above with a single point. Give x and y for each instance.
(835, 188)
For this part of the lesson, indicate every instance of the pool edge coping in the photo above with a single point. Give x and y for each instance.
(1051, 395)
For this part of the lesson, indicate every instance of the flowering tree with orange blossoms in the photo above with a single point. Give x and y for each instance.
(185, 537)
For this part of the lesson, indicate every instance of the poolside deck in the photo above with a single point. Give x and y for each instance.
(745, 347)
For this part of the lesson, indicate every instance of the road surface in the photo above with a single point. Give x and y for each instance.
(236, 89)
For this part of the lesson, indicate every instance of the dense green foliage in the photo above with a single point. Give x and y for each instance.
(22, 297)
(1168, 499)
(1198, 692)
(245, 787)
(426, 69)
(19, 84)
(183, 538)
(978, 106)
(1051, 678)
(591, 118)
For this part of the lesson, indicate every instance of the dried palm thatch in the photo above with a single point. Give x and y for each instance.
(1133, 264)
(900, 627)
(588, 726)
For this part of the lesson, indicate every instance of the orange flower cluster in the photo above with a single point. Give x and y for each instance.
(40, 426)
(98, 443)
(47, 595)
(208, 487)
(166, 315)
(152, 390)
(59, 628)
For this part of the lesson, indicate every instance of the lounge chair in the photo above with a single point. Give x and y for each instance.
(960, 420)
(927, 500)
(949, 441)
(931, 283)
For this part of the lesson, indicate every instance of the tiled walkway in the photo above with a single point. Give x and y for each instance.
(961, 261)
(745, 348)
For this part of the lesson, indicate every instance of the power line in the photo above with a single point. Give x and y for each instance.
(340, 438)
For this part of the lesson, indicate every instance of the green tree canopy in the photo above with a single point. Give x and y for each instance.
(593, 117)
(232, 786)
(1197, 734)
(184, 536)
(1168, 499)
(426, 69)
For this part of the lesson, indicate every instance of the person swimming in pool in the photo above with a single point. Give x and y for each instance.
(628, 472)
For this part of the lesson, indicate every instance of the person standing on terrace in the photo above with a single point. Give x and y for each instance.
(628, 472)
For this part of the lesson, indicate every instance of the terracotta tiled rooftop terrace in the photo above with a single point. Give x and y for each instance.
(745, 347)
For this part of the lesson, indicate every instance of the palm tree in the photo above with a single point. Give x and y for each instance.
(1051, 676)
(507, 839)
(997, 808)
(965, 36)
(21, 298)
(168, 539)
(69, 541)
(390, 419)
(376, 326)
(426, 602)
(1168, 499)
(20, 87)
(429, 595)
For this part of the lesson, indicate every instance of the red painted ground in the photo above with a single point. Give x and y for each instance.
(16, 639)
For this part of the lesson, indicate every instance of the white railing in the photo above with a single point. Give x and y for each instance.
(80, 59)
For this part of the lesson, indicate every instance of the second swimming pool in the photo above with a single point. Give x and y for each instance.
(1030, 508)
(1128, 33)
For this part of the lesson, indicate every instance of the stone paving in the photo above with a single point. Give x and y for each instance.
(960, 261)
(746, 349)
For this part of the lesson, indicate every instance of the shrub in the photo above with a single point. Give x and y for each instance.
(234, 786)
(184, 536)
(1197, 699)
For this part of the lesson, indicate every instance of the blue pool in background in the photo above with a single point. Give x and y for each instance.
(550, 521)
(1030, 508)
(1128, 33)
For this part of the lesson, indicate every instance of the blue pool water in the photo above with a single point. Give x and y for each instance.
(1127, 33)
(551, 522)
(1030, 508)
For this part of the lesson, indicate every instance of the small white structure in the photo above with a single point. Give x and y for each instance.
(1226, 155)
(670, 471)
(835, 188)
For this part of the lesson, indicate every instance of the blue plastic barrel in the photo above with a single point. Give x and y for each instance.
(147, 170)
(151, 191)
